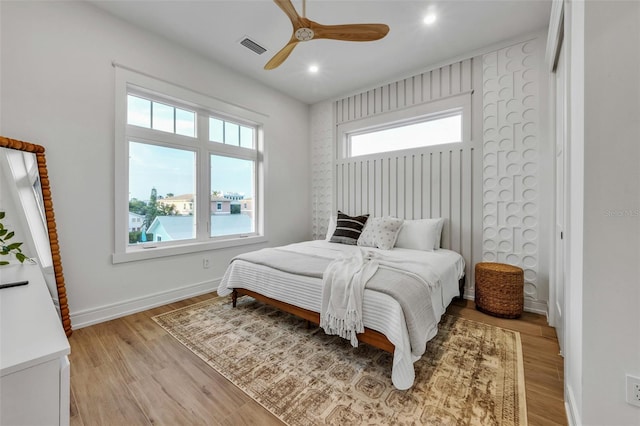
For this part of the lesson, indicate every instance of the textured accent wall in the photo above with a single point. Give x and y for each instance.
(506, 194)
(419, 89)
(511, 121)
(322, 148)
(435, 182)
(431, 182)
(422, 88)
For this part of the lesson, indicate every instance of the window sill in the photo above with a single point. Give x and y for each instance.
(139, 253)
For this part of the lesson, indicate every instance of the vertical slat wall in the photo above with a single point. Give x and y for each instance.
(429, 86)
(415, 185)
(423, 183)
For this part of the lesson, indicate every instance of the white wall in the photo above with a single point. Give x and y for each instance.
(58, 91)
(611, 250)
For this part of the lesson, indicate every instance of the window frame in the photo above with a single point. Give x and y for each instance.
(137, 84)
(433, 110)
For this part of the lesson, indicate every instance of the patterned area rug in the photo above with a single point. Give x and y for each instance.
(471, 374)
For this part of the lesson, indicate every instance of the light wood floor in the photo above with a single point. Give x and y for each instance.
(131, 372)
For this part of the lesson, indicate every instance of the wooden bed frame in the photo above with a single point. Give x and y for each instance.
(371, 337)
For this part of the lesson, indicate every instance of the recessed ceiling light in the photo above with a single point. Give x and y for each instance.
(313, 69)
(429, 19)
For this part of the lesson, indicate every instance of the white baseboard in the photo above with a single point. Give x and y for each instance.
(573, 416)
(537, 307)
(116, 310)
(534, 306)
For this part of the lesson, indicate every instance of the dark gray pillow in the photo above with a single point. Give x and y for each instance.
(348, 228)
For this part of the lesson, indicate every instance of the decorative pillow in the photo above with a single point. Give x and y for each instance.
(348, 228)
(331, 228)
(380, 232)
(420, 234)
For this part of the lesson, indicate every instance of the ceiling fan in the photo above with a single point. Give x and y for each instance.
(305, 29)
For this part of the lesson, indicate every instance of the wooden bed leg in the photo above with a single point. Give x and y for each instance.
(461, 286)
(308, 324)
(234, 298)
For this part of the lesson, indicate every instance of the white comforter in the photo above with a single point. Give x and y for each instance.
(442, 270)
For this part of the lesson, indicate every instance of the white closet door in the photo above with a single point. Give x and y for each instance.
(558, 289)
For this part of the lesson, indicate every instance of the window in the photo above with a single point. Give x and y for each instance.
(155, 115)
(428, 132)
(435, 123)
(154, 171)
(183, 149)
(238, 175)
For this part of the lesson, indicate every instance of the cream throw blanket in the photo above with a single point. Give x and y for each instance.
(343, 285)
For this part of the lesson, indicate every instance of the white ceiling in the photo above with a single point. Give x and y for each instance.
(214, 28)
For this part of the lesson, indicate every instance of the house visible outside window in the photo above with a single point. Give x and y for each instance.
(173, 141)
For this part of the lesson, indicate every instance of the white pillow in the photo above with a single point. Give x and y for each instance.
(420, 234)
(380, 232)
(331, 228)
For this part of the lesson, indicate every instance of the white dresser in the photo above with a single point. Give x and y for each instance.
(34, 367)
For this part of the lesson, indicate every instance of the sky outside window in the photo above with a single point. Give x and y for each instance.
(230, 133)
(148, 114)
(232, 175)
(427, 133)
(169, 170)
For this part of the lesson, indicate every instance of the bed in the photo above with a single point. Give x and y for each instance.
(389, 324)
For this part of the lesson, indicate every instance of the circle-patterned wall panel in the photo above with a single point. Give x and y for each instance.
(322, 168)
(510, 150)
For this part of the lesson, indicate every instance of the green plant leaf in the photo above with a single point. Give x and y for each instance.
(14, 246)
(8, 249)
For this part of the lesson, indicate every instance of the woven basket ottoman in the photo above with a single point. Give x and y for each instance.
(499, 289)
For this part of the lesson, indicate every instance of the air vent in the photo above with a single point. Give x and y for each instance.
(253, 46)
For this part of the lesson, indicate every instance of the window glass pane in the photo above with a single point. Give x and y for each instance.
(231, 134)
(185, 122)
(428, 133)
(232, 196)
(162, 117)
(138, 111)
(246, 137)
(216, 130)
(157, 175)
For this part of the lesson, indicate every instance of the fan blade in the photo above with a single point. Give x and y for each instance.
(290, 11)
(350, 32)
(283, 54)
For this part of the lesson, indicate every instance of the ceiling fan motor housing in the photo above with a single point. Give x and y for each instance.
(304, 34)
